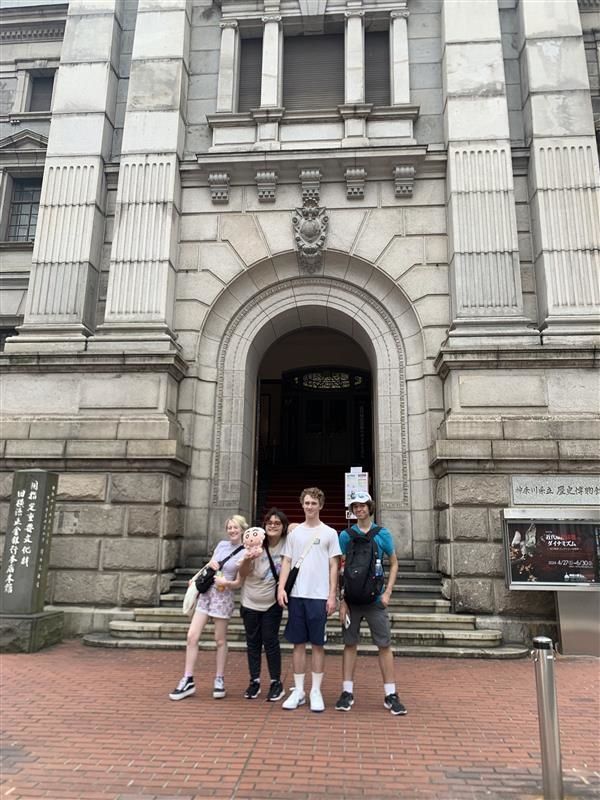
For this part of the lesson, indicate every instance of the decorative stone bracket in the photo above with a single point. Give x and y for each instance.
(311, 184)
(266, 185)
(355, 182)
(219, 186)
(404, 180)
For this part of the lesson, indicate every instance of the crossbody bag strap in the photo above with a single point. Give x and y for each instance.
(226, 559)
(305, 552)
(272, 564)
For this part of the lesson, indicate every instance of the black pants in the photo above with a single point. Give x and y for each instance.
(262, 630)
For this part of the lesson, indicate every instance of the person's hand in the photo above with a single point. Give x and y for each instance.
(343, 609)
(220, 581)
(385, 599)
(213, 564)
(282, 597)
(331, 605)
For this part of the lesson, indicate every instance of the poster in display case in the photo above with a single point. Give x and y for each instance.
(552, 548)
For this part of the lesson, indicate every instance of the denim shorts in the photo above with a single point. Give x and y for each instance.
(306, 621)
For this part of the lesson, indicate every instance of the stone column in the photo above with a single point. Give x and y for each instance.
(271, 87)
(564, 178)
(487, 301)
(140, 295)
(227, 90)
(400, 77)
(354, 111)
(63, 283)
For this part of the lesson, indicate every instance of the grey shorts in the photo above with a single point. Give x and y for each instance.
(378, 620)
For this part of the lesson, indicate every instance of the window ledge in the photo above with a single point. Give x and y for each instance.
(226, 119)
(17, 245)
(29, 116)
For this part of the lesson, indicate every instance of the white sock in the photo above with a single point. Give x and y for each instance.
(317, 678)
(299, 682)
(389, 688)
(348, 686)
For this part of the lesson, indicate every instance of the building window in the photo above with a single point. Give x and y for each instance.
(5, 333)
(24, 207)
(377, 68)
(250, 74)
(40, 97)
(313, 72)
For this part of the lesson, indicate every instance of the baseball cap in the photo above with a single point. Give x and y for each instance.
(360, 497)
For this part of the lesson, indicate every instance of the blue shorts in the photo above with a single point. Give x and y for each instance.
(306, 621)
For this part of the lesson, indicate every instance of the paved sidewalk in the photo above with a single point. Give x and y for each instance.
(97, 724)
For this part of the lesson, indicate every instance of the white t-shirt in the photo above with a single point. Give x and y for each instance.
(313, 578)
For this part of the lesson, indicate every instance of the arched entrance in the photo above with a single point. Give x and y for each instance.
(239, 331)
(314, 420)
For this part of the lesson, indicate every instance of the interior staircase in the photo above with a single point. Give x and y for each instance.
(422, 624)
(283, 485)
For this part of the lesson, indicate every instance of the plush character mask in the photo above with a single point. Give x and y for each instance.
(252, 540)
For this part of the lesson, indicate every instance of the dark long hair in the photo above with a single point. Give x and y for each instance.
(276, 512)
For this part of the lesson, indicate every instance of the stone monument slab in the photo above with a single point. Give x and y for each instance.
(24, 625)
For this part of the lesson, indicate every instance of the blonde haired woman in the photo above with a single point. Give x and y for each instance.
(217, 603)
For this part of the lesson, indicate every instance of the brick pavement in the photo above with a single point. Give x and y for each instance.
(97, 724)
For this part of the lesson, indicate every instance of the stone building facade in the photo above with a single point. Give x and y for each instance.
(200, 198)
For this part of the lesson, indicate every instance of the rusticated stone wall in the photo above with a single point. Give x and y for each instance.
(116, 541)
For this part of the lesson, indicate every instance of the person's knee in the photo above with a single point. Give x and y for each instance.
(220, 640)
(193, 638)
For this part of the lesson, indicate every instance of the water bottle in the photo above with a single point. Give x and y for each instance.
(378, 569)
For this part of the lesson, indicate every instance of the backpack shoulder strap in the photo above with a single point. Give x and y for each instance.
(354, 535)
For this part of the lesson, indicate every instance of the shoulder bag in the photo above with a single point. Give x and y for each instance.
(291, 578)
(206, 577)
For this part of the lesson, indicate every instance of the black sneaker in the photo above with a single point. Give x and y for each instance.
(253, 690)
(345, 702)
(185, 688)
(393, 704)
(276, 691)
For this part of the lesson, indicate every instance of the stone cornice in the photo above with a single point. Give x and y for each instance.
(176, 465)
(542, 357)
(172, 363)
(379, 162)
(33, 23)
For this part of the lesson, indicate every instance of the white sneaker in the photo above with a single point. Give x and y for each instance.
(316, 700)
(297, 698)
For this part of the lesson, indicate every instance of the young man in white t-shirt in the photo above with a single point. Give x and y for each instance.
(313, 597)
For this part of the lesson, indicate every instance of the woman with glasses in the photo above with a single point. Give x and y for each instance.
(260, 611)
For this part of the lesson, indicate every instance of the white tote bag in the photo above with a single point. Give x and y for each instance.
(191, 597)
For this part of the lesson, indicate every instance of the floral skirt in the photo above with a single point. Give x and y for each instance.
(216, 604)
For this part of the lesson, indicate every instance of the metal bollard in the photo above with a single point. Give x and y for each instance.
(543, 657)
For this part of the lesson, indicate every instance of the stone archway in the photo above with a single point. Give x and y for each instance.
(390, 334)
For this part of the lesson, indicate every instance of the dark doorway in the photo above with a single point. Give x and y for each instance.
(325, 416)
(314, 424)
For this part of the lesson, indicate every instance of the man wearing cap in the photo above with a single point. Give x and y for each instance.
(376, 613)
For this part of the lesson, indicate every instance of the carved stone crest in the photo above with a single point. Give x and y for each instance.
(310, 231)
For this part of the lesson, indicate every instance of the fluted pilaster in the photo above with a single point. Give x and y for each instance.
(63, 283)
(564, 178)
(485, 277)
(140, 294)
